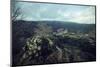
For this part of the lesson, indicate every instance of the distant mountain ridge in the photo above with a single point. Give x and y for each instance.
(71, 26)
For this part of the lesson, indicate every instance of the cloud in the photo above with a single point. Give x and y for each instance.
(74, 13)
(86, 16)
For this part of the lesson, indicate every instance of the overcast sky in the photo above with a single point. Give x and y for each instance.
(58, 12)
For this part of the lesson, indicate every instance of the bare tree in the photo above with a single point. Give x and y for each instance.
(16, 11)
